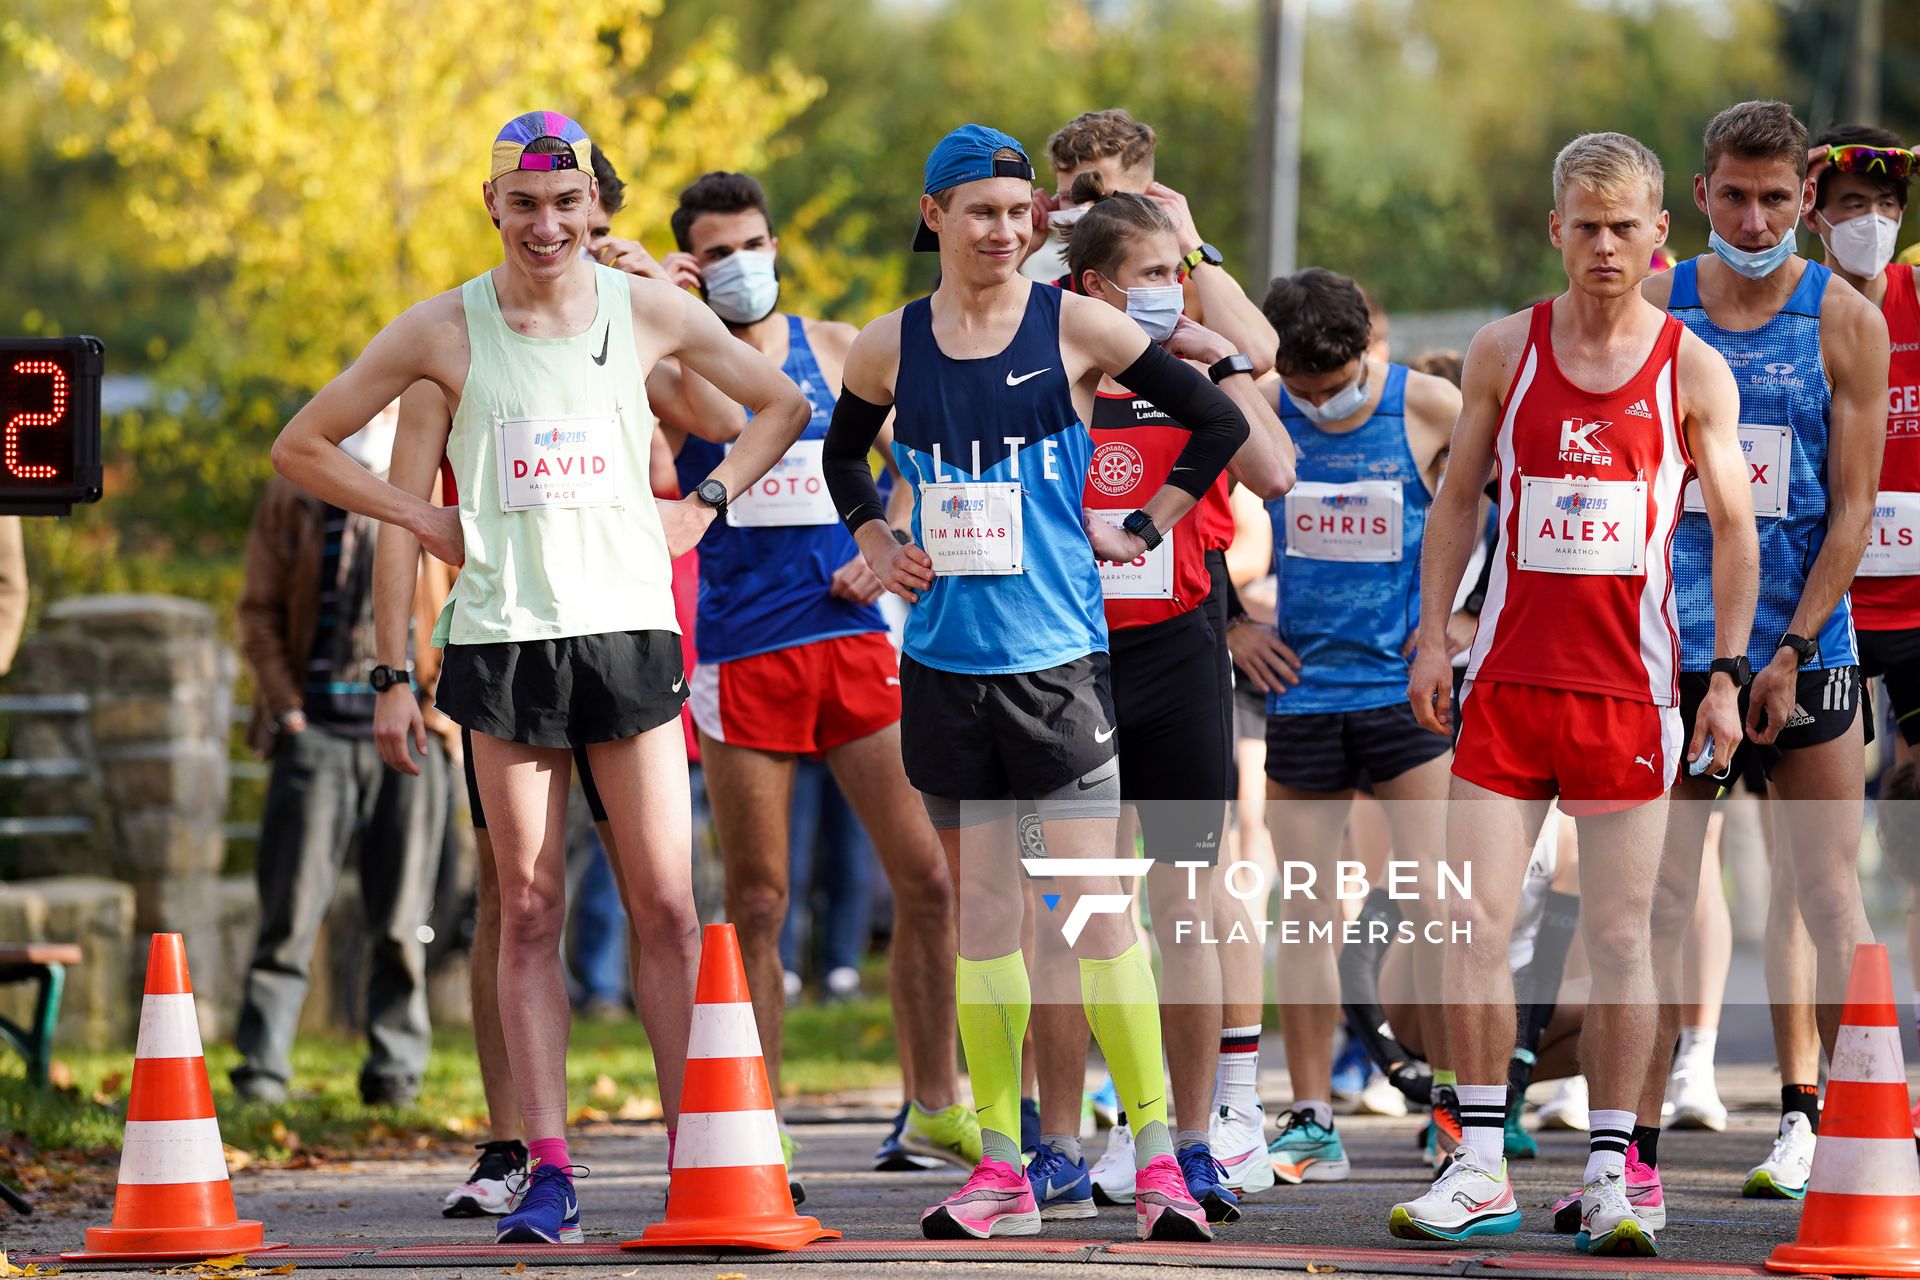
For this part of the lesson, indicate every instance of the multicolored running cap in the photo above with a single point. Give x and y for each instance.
(511, 143)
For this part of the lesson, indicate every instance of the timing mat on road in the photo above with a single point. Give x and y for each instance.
(1412, 1261)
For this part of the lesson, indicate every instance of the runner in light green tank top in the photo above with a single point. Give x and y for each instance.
(561, 629)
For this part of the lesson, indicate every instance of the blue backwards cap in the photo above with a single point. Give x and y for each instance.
(966, 155)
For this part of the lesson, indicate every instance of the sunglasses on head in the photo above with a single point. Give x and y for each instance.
(1878, 162)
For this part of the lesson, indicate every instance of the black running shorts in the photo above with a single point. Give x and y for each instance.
(1336, 750)
(567, 692)
(1825, 703)
(1895, 656)
(990, 737)
(1174, 760)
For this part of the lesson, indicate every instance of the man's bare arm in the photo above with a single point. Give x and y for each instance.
(1452, 531)
(1712, 424)
(704, 347)
(688, 405)
(419, 442)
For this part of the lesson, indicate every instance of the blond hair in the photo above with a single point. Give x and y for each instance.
(1610, 165)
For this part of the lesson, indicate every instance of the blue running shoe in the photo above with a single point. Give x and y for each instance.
(1202, 1174)
(1061, 1186)
(1307, 1151)
(1029, 1123)
(549, 1211)
(1351, 1070)
(1106, 1104)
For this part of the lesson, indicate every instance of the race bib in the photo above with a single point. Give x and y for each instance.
(1149, 576)
(1769, 452)
(1583, 526)
(1359, 521)
(558, 462)
(793, 493)
(1893, 548)
(971, 527)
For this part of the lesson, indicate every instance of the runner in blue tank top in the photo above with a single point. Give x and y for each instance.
(794, 660)
(1810, 356)
(992, 382)
(1372, 438)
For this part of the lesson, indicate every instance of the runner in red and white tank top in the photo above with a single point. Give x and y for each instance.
(1590, 488)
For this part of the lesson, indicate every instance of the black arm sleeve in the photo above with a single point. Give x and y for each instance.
(1183, 394)
(843, 456)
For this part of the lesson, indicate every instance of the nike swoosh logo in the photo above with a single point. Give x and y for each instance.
(677, 683)
(1101, 735)
(1144, 1105)
(604, 335)
(1014, 382)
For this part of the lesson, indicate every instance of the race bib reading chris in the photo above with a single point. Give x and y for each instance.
(1769, 452)
(971, 527)
(1359, 521)
(1148, 576)
(558, 462)
(793, 493)
(1893, 548)
(1583, 526)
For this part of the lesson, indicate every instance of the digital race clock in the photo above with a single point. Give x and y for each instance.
(49, 424)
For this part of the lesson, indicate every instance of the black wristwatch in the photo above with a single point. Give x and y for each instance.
(383, 677)
(1804, 649)
(1141, 526)
(1739, 670)
(714, 494)
(1238, 362)
(1205, 253)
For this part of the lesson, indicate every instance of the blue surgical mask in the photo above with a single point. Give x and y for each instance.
(742, 287)
(1337, 407)
(1155, 308)
(1754, 264)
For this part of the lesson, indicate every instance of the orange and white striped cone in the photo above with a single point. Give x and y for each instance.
(729, 1180)
(174, 1200)
(1862, 1211)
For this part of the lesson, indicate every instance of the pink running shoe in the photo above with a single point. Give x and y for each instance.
(1164, 1207)
(997, 1201)
(1644, 1193)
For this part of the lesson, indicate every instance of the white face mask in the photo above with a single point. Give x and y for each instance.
(1155, 308)
(1061, 219)
(742, 287)
(1337, 407)
(372, 445)
(1863, 245)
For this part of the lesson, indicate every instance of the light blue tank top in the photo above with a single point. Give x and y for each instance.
(1783, 383)
(1348, 618)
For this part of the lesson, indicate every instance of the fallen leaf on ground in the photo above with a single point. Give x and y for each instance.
(283, 1270)
(604, 1088)
(228, 1263)
(1321, 1268)
(638, 1108)
(236, 1158)
(7, 1268)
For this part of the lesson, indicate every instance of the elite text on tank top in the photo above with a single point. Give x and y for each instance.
(1886, 595)
(1346, 551)
(550, 446)
(1784, 408)
(997, 456)
(766, 569)
(1581, 594)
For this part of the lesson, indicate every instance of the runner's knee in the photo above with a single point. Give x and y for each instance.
(758, 907)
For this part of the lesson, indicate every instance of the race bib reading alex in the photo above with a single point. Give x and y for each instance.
(558, 462)
(1148, 576)
(1583, 526)
(1359, 521)
(1769, 452)
(793, 493)
(971, 527)
(1893, 548)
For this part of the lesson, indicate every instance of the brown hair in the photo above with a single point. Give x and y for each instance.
(1098, 242)
(1441, 362)
(1756, 131)
(1095, 135)
(717, 193)
(1320, 318)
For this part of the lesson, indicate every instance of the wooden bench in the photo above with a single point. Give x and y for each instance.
(45, 964)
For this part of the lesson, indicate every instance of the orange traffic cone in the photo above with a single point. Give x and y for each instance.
(1862, 1212)
(729, 1183)
(174, 1200)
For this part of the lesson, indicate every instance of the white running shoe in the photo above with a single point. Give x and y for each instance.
(1113, 1176)
(1693, 1100)
(1608, 1223)
(1465, 1200)
(1380, 1098)
(1783, 1174)
(1567, 1109)
(1238, 1139)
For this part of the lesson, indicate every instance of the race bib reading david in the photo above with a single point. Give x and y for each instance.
(971, 527)
(558, 462)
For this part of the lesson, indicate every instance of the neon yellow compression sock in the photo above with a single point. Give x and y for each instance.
(994, 1000)
(1123, 1008)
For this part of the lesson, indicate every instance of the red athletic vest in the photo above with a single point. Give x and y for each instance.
(1134, 446)
(1893, 603)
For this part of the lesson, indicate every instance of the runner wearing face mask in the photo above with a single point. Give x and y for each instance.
(1862, 175)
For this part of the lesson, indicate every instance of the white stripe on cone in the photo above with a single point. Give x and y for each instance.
(168, 1028)
(1865, 1167)
(1868, 1055)
(723, 1031)
(727, 1140)
(170, 1151)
